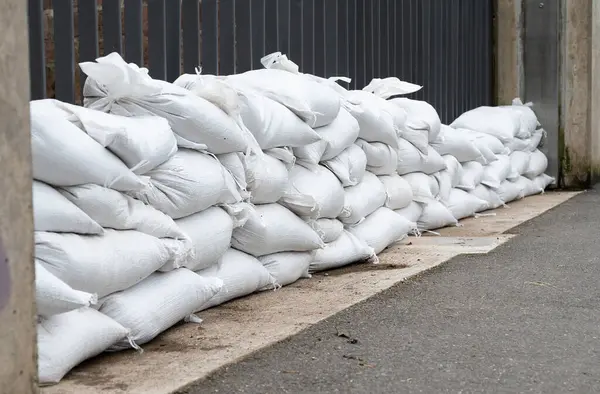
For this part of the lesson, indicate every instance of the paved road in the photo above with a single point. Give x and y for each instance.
(524, 318)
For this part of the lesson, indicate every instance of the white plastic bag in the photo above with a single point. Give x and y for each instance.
(382, 228)
(65, 340)
(462, 204)
(472, 174)
(435, 215)
(496, 172)
(398, 191)
(537, 165)
(382, 159)
(347, 249)
(328, 229)
(543, 181)
(527, 186)
(267, 178)
(141, 142)
(500, 122)
(424, 187)
(272, 228)
(528, 120)
(63, 155)
(421, 115)
(234, 162)
(376, 124)
(158, 302)
(336, 136)
(411, 160)
(519, 162)
(119, 88)
(448, 178)
(53, 296)
(241, 274)
(453, 142)
(484, 142)
(210, 234)
(488, 195)
(187, 183)
(412, 212)
(509, 191)
(321, 186)
(362, 199)
(349, 166)
(102, 264)
(287, 267)
(53, 212)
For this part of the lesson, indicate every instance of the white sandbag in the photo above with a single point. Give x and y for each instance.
(112, 209)
(435, 215)
(509, 191)
(488, 195)
(320, 185)
(158, 302)
(267, 178)
(382, 228)
(53, 212)
(517, 145)
(63, 155)
(315, 103)
(411, 160)
(455, 143)
(272, 124)
(336, 136)
(272, 228)
(462, 204)
(502, 123)
(362, 199)
(376, 124)
(412, 212)
(527, 186)
(421, 115)
(519, 162)
(382, 159)
(141, 142)
(398, 191)
(496, 172)
(328, 229)
(347, 249)
(472, 174)
(102, 264)
(484, 142)
(538, 164)
(528, 120)
(53, 296)
(543, 181)
(210, 234)
(241, 274)
(67, 339)
(536, 139)
(287, 267)
(449, 178)
(234, 163)
(119, 88)
(424, 188)
(349, 166)
(187, 183)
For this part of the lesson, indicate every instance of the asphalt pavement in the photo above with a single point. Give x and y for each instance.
(523, 318)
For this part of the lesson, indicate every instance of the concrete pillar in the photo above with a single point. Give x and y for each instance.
(509, 50)
(17, 303)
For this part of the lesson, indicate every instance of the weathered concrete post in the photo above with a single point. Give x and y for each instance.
(17, 307)
(509, 50)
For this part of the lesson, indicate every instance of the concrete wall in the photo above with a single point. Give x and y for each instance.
(17, 307)
(509, 50)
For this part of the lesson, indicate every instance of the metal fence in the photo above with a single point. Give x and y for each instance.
(444, 45)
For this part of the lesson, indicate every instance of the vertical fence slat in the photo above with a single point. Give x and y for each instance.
(296, 22)
(243, 36)
(190, 12)
(271, 26)
(420, 50)
(111, 26)
(342, 49)
(257, 13)
(88, 35)
(157, 48)
(226, 37)
(489, 39)
(173, 39)
(331, 38)
(352, 37)
(378, 37)
(134, 41)
(361, 54)
(308, 36)
(319, 36)
(210, 37)
(283, 27)
(37, 59)
(369, 42)
(64, 51)
(384, 68)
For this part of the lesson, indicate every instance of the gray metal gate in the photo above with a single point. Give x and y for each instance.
(444, 45)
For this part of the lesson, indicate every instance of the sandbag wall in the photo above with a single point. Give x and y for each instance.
(156, 200)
